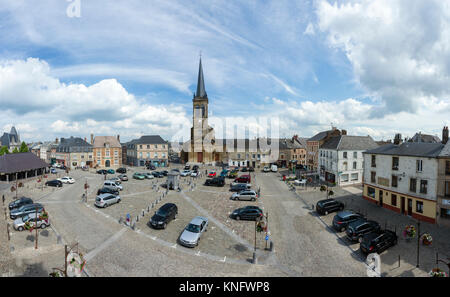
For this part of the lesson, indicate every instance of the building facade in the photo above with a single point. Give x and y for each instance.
(107, 152)
(73, 152)
(443, 195)
(149, 149)
(341, 160)
(313, 145)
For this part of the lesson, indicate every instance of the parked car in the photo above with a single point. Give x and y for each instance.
(121, 170)
(249, 195)
(110, 171)
(243, 179)
(274, 168)
(175, 170)
(195, 167)
(20, 202)
(123, 177)
(164, 215)
(25, 209)
(212, 174)
(239, 187)
(66, 180)
(326, 206)
(343, 218)
(251, 169)
(102, 171)
(216, 181)
(139, 176)
(117, 180)
(194, 230)
(195, 173)
(112, 184)
(233, 174)
(187, 167)
(53, 171)
(266, 169)
(165, 172)
(19, 223)
(105, 200)
(357, 229)
(377, 242)
(148, 175)
(185, 172)
(224, 173)
(244, 169)
(108, 190)
(246, 213)
(157, 174)
(54, 183)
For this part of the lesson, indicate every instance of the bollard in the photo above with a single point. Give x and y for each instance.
(7, 230)
(153, 204)
(143, 212)
(148, 208)
(120, 220)
(312, 206)
(133, 225)
(398, 260)
(255, 260)
(58, 239)
(137, 218)
(271, 246)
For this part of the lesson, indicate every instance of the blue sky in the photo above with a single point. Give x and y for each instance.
(130, 67)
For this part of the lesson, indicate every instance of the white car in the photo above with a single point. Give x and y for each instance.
(195, 173)
(66, 180)
(266, 169)
(274, 168)
(185, 173)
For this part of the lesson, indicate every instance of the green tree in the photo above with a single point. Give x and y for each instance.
(15, 151)
(23, 147)
(4, 150)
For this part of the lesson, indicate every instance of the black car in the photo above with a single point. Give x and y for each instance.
(121, 170)
(246, 213)
(377, 242)
(251, 169)
(326, 206)
(54, 183)
(19, 202)
(102, 171)
(25, 209)
(343, 218)
(157, 174)
(187, 167)
(244, 169)
(195, 168)
(238, 187)
(357, 229)
(163, 216)
(151, 167)
(216, 181)
(164, 172)
(107, 190)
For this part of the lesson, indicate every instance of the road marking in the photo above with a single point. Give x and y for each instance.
(174, 246)
(104, 245)
(224, 259)
(198, 253)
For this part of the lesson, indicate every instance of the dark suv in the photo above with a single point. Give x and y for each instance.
(247, 213)
(108, 190)
(216, 181)
(163, 216)
(357, 229)
(343, 218)
(239, 187)
(377, 242)
(54, 183)
(326, 206)
(121, 170)
(19, 202)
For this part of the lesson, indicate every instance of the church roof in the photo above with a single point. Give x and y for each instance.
(201, 92)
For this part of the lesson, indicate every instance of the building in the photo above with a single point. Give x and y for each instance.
(403, 177)
(11, 139)
(21, 166)
(341, 159)
(292, 152)
(148, 149)
(419, 137)
(73, 152)
(314, 143)
(124, 153)
(107, 151)
(443, 195)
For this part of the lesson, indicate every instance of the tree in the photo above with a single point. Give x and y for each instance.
(15, 151)
(23, 147)
(4, 150)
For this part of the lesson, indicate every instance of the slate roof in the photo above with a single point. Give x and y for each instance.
(73, 144)
(320, 136)
(101, 141)
(201, 92)
(414, 149)
(445, 151)
(348, 142)
(148, 139)
(12, 163)
(419, 137)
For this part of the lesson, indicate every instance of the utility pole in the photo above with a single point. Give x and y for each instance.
(65, 260)
(36, 227)
(267, 226)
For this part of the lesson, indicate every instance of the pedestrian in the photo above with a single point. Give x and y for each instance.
(3, 199)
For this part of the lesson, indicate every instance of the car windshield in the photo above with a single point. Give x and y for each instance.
(161, 212)
(193, 228)
(25, 218)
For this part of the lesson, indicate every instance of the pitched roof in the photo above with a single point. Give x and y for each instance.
(415, 149)
(12, 163)
(319, 136)
(148, 139)
(201, 92)
(101, 141)
(348, 142)
(72, 144)
(445, 151)
(419, 137)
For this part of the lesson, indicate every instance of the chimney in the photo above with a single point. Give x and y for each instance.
(344, 132)
(92, 138)
(445, 135)
(85, 139)
(118, 138)
(56, 140)
(398, 139)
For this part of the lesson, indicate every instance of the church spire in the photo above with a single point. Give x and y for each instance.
(201, 93)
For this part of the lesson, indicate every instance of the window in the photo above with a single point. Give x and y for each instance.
(412, 184)
(107, 153)
(116, 153)
(354, 176)
(394, 200)
(447, 167)
(355, 155)
(345, 155)
(156, 155)
(447, 189)
(373, 177)
(354, 165)
(394, 181)
(345, 166)
(419, 206)
(394, 163)
(98, 154)
(344, 178)
(156, 146)
(148, 155)
(140, 146)
(374, 164)
(148, 146)
(423, 186)
(419, 165)
(371, 192)
(445, 213)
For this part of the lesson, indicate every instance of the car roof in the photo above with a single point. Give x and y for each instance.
(358, 222)
(345, 213)
(167, 206)
(104, 195)
(198, 220)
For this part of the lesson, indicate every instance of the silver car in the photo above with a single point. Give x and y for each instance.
(148, 175)
(123, 177)
(185, 172)
(194, 230)
(105, 200)
(117, 180)
(112, 184)
(19, 224)
(250, 195)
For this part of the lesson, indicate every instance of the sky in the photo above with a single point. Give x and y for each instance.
(129, 67)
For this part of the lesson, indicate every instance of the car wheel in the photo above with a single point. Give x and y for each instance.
(43, 226)
(105, 206)
(253, 199)
(238, 218)
(394, 243)
(20, 229)
(326, 212)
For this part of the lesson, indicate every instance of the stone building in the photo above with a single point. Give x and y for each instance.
(73, 152)
(148, 149)
(107, 151)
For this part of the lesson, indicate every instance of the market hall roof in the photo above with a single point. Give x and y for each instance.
(20, 162)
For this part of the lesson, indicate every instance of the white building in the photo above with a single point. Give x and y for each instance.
(403, 178)
(341, 159)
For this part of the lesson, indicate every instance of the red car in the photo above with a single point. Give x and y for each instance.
(212, 174)
(246, 179)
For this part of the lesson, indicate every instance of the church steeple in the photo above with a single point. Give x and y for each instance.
(201, 93)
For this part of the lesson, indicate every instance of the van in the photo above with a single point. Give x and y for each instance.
(274, 168)
(112, 184)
